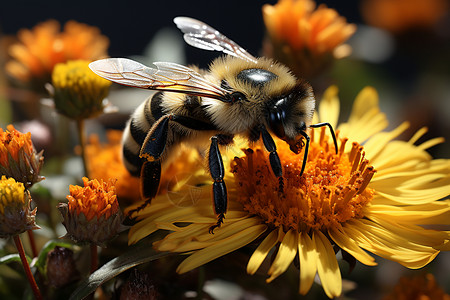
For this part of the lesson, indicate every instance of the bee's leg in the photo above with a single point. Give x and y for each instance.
(156, 139)
(275, 162)
(150, 177)
(151, 151)
(333, 135)
(305, 155)
(219, 189)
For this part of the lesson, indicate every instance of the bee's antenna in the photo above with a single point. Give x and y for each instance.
(333, 135)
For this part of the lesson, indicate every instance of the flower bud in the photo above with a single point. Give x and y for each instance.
(92, 214)
(16, 215)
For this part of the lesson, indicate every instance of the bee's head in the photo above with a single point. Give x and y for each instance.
(292, 112)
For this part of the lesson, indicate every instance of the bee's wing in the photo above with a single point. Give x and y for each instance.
(165, 77)
(203, 36)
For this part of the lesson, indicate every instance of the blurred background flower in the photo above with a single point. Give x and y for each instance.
(77, 92)
(398, 16)
(39, 49)
(422, 286)
(304, 37)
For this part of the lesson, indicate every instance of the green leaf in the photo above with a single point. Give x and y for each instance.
(13, 258)
(49, 246)
(138, 255)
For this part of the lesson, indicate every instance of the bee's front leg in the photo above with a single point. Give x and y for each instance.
(274, 159)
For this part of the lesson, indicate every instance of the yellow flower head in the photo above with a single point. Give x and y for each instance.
(305, 38)
(18, 158)
(41, 48)
(92, 213)
(15, 214)
(339, 204)
(78, 92)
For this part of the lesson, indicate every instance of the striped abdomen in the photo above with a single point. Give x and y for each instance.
(137, 129)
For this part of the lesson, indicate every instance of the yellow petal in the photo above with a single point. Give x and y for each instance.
(221, 248)
(377, 142)
(412, 168)
(398, 191)
(366, 100)
(205, 239)
(327, 266)
(437, 212)
(285, 256)
(385, 243)
(261, 252)
(329, 106)
(347, 244)
(307, 253)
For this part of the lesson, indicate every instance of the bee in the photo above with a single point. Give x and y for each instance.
(239, 95)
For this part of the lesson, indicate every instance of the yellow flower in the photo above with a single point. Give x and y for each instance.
(15, 214)
(305, 38)
(92, 213)
(400, 15)
(78, 92)
(422, 287)
(364, 198)
(18, 158)
(41, 48)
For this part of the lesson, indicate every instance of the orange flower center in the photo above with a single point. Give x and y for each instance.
(332, 190)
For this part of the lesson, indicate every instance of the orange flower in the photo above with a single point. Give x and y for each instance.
(105, 161)
(95, 199)
(92, 213)
(303, 37)
(400, 15)
(419, 287)
(18, 158)
(298, 24)
(42, 47)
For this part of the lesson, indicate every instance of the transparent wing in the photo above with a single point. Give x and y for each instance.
(203, 36)
(166, 77)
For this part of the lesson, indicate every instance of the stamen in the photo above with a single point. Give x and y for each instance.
(332, 190)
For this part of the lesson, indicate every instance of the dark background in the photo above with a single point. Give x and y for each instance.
(131, 25)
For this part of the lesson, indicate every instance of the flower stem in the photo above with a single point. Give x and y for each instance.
(94, 258)
(82, 139)
(26, 266)
(32, 243)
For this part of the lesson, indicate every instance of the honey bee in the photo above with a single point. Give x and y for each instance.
(239, 95)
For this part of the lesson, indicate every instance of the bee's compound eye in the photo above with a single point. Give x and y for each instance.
(237, 96)
(276, 119)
